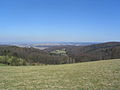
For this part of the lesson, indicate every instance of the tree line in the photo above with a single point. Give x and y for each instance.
(31, 56)
(13, 55)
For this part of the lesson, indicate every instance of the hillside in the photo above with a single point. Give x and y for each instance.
(13, 55)
(99, 75)
(109, 50)
(30, 55)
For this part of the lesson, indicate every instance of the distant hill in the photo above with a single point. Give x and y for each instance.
(60, 54)
(109, 50)
(45, 45)
(31, 55)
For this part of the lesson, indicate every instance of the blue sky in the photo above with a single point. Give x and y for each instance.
(59, 20)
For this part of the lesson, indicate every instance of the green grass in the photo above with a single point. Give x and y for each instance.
(99, 75)
(3, 64)
(59, 52)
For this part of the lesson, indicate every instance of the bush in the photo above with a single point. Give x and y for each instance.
(10, 60)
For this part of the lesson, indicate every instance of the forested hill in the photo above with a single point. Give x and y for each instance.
(109, 50)
(13, 55)
(31, 56)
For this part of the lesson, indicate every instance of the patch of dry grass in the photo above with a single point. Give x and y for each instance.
(100, 75)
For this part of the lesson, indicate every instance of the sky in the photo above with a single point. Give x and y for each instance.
(59, 20)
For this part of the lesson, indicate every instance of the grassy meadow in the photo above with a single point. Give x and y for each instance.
(99, 75)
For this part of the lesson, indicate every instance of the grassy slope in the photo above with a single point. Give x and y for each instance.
(100, 75)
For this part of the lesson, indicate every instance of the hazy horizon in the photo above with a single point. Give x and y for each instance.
(59, 20)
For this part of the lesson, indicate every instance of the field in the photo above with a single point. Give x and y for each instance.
(59, 52)
(99, 75)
